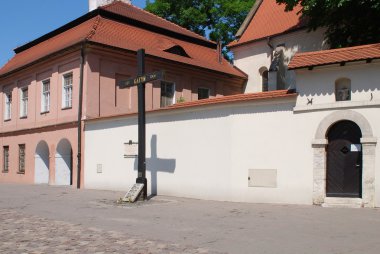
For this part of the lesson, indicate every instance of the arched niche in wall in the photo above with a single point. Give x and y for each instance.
(343, 89)
(264, 78)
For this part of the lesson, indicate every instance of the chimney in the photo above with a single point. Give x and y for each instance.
(219, 50)
(94, 4)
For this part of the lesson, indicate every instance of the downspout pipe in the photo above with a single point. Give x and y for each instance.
(271, 47)
(80, 112)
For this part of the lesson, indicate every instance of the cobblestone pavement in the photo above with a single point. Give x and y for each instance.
(51, 219)
(20, 233)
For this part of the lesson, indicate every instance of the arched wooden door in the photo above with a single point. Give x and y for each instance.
(344, 161)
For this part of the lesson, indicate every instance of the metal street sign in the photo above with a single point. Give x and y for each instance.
(157, 75)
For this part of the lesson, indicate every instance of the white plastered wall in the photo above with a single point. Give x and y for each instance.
(206, 153)
(319, 83)
(252, 56)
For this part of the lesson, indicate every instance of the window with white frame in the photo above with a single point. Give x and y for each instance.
(8, 106)
(167, 93)
(67, 93)
(24, 102)
(6, 159)
(203, 93)
(21, 158)
(45, 96)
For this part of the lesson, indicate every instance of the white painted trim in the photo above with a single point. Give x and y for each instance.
(43, 105)
(64, 106)
(23, 108)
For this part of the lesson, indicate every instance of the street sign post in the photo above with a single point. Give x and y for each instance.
(140, 81)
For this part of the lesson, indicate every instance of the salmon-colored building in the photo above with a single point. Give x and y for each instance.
(56, 82)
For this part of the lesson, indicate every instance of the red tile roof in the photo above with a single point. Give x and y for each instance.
(125, 36)
(133, 12)
(235, 98)
(129, 37)
(333, 56)
(278, 94)
(54, 44)
(270, 19)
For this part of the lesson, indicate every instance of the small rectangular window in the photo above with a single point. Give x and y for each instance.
(45, 96)
(203, 93)
(24, 102)
(21, 158)
(67, 95)
(8, 106)
(167, 93)
(6, 159)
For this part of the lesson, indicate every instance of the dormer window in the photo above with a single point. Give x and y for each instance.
(343, 89)
(177, 50)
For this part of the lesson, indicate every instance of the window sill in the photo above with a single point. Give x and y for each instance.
(20, 173)
(23, 117)
(66, 108)
(7, 120)
(45, 112)
(5, 172)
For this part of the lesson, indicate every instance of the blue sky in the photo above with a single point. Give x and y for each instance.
(22, 21)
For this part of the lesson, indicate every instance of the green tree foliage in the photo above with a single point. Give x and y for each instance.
(219, 20)
(348, 22)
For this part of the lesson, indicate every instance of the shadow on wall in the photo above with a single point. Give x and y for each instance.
(155, 165)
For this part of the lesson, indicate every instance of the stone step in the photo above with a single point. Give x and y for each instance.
(343, 202)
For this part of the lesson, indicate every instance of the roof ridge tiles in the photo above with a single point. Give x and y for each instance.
(156, 16)
(172, 23)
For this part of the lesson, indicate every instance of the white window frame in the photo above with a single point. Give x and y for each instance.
(45, 96)
(24, 101)
(7, 106)
(208, 90)
(21, 158)
(6, 159)
(67, 91)
(174, 93)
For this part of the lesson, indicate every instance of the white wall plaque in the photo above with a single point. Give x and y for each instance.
(130, 149)
(262, 178)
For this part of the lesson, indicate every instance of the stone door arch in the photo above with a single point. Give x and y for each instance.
(319, 161)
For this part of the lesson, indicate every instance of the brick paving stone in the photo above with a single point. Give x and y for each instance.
(21, 233)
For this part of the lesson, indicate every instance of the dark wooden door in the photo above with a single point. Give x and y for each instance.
(344, 161)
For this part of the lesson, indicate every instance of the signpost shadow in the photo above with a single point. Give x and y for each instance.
(155, 165)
